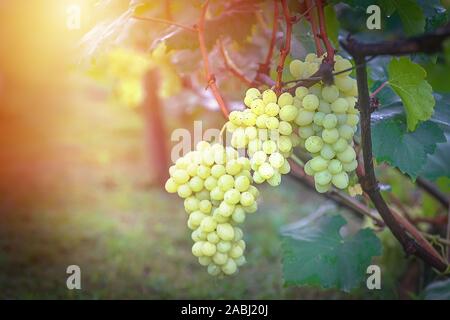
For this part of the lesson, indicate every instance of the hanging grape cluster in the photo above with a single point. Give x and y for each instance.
(218, 184)
(217, 187)
(265, 130)
(327, 120)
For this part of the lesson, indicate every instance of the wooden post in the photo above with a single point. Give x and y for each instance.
(157, 150)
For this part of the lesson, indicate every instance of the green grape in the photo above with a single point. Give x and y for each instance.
(269, 146)
(223, 246)
(247, 199)
(327, 152)
(217, 194)
(350, 166)
(296, 68)
(335, 166)
(236, 252)
(276, 160)
(217, 171)
(340, 105)
(307, 168)
(285, 99)
(225, 182)
(204, 261)
(322, 188)
(275, 180)
(304, 117)
(340, 180)
(253, 92)
(208, 249)
(330, 93)
(226, 209)
(343, 83)
(329, 121)
(233, 167)
(184, 191)
(288, 113)
(261, 121)
(258, 107)
(348, 155)
(285, 128)
(232, 196)
(318, 164)
(352, 119)
(225, 231)
(341, 118)
(269, 96)
(284, 144)
(314, 144)
(324, 107)
(196, 184)
(242, 183)
(180, 176)
(208, 224)
(266, 171)
(171, 186)
(301, 92)
(306, 132)
(205, 206)
(341, 65)
(238, 215)
(340, 145)
(330, 135)
(285, 168)
(323, 177)
(346, 132)
(310, 102)
(220, 258)
(272, 123)
(197, 249)
(191, 204)
(214, 270)
(230, 267)
(210, 183)
(272, 109)
(212, 237)
(318, 118)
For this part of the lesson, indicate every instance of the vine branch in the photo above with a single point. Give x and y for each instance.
(410, 242)
(314, 28)
(284, 51)
(265, 66)
(200, 28)
(323, 31)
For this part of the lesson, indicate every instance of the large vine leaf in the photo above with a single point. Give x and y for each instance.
(411, 15)
(438, 163)
(407, 79)
(438, 290)
(408, 151)
(317, 255)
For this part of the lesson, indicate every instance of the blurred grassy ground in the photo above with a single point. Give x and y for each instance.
(84, 199)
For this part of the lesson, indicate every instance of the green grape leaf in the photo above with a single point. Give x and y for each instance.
(438, 163)
(394, 144)
(438, 290)
(411, 15)
(407, 79)
(317, 255)
(332, 24)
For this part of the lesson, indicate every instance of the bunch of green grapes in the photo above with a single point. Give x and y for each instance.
(327, 120)
(265, 131)
(217, 187)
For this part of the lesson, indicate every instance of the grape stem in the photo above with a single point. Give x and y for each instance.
(200, 28)
(297, 160)
(377, 90)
